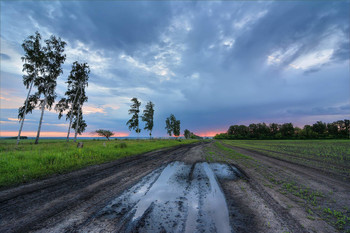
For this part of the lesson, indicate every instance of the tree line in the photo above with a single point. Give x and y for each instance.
(319, 130)
(172, 125)
(43, 65)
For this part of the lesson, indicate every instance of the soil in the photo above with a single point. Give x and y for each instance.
(170, 190)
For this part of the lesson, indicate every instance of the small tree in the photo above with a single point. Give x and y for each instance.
(134, 121)
(187, 134)
(172, 126)
(148, 117)
(104, 133)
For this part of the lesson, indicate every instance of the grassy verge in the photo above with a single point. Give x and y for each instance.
(328, 155)
(23, 163)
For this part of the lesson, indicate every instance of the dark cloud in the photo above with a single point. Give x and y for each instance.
(4, 56)
(205, 62)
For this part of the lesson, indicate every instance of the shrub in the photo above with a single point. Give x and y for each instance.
(123, 145)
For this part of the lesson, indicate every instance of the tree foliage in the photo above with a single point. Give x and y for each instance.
(43, 64)
(187, 134)
(172, 126)
(147, 117)
(133, 123)
(319, 130)
(104, 133)
(75, 98)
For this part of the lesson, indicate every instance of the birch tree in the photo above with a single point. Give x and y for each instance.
(148, 117)
(53, 60)
(172, 125)
(34, 67)
(76, 96)
(134, 121)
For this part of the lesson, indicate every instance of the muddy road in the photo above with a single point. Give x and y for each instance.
(169, 190)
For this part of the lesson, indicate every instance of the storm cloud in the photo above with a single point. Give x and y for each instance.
(210, 63)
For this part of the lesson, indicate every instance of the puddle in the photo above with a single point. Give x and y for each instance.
(174, 198)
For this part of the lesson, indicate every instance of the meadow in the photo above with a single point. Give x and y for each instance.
(327, 155)
(27, 161)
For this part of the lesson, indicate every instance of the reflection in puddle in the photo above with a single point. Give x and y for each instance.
(175, 198)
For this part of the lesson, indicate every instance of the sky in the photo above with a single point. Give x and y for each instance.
(210, 63)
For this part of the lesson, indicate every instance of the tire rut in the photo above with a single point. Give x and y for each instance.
(66, 191)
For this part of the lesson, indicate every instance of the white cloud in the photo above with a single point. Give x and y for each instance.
(312, 59)
(248, 19)
(97, 59)
(14, 64)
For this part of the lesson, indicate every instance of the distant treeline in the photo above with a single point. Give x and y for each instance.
(319, 130)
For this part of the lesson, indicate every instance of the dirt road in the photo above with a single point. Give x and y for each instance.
(169, 190)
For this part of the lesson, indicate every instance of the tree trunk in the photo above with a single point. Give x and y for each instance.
(70, 125)
(77, 125)
(24, 114)
(79, 108)
(41, 120)
(71, 116)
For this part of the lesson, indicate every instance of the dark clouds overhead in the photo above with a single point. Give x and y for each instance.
(210, 63)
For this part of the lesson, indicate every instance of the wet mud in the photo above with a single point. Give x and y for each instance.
(177, 197)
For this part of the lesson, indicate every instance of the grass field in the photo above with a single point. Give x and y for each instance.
(328, 155)
(23, 163)
(319, 199)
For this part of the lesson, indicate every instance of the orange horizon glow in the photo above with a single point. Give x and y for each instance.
(56, 134)
(209, 133)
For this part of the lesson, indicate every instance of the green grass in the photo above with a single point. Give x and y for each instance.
(330, 155)
(23, 163)
(233, 154)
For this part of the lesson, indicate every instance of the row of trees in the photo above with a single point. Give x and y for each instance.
(171, 124)
(147, 116)
(43, 64)
(319, 130)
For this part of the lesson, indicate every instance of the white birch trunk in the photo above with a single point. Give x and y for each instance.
(41, 120)
(24, 114)
(71, 116)
(79, 108)
(77, 126)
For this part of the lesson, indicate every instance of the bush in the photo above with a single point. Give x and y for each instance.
(123, 145)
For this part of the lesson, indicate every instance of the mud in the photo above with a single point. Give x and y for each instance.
(170, 190)
(177, 198)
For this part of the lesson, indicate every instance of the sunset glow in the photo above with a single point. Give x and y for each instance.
(56, 134)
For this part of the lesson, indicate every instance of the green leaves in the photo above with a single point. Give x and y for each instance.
(75, 97)
(104, 133)
(134, 121)
(148, 117)
(172, 125)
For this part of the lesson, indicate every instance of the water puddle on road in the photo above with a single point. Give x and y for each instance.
(175, 198)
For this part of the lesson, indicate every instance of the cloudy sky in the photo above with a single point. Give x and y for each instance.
(210, 63)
